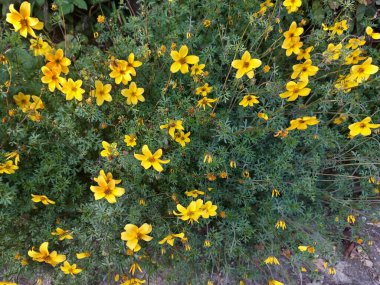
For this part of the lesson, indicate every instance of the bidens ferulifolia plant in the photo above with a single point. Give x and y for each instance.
(215, 139)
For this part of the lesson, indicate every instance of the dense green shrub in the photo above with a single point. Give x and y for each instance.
(317, 181)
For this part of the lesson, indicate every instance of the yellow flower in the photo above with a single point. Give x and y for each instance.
(133, 94)
(208, 210)
(62, 234)
(281, 224)
(207, 243)
(292, 5)
(363, 71)
(110, 150)
(101, 92)
(192, 213)
(295, 90)
(246, 65)
(263, 116)
(121, 71)
(22, 101)
(39, 47)
(331, 271)
(333, 52)
(54, 7)
(72, 89)
(133, 268)
(266, 68)
(7, 283)
(81, 255)
(43, 199)
(148, 159)
(52, 78)
(354, 57)
(339, 27)
(173, 126)
(292, 35)
(107, 187)
(101, 19)
(274, 282)
(346, 83)
(43, 255)
(307, 248)
(272, 260)
(8, 167)
(58, 61)
(197, 69)
(206, 23)
(194, 193)
(275, 192)
(302, 123)
(169, 239)
(182, 60)
(205, 101)
(182, 138)
(355, 43)
(369, 32)
(233, 163)
(70, 269)
(249, 100)
(340, 119)
(22, 22)
(351, 219)
(293, 47)
(207, 158)
(304, 70)
(362, 128)
(133, 234)
(133, 281)
(204, 90)
(304, 53)
(130, 140)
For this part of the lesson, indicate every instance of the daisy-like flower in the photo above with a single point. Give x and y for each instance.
(272, 260)
(362, 128)
(194, 193)
(121, 71)
(72, 89)
(292, 5)
(148, 159)
(197, 69)
(110, 150)
(304, 70)
(51, 78)
(246, 65)
(182, 138)
(62, 234)
(205, 101)
(182, 60)
(21, 20)
(304, 53)
(43, 199)
(208, 210)
(58, 61)
(294, 90)
(203, 90)
(169, 239)
(302, 123)
(249, 100)
(281, 224)
(133, 94)
(173, 126)
(40, 47)
(107, 187)
(130, 140)
(133, 234)
(362, 72)
(101, 92)
(192, 213)
(8, 167)
(70, 269)
(43, 255)
(22, 101)
(369, 31)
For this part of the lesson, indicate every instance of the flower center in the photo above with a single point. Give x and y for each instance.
(182, 60)
(246, 64)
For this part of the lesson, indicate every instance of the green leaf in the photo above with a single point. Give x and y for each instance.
(40, 2)
(80, 4)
